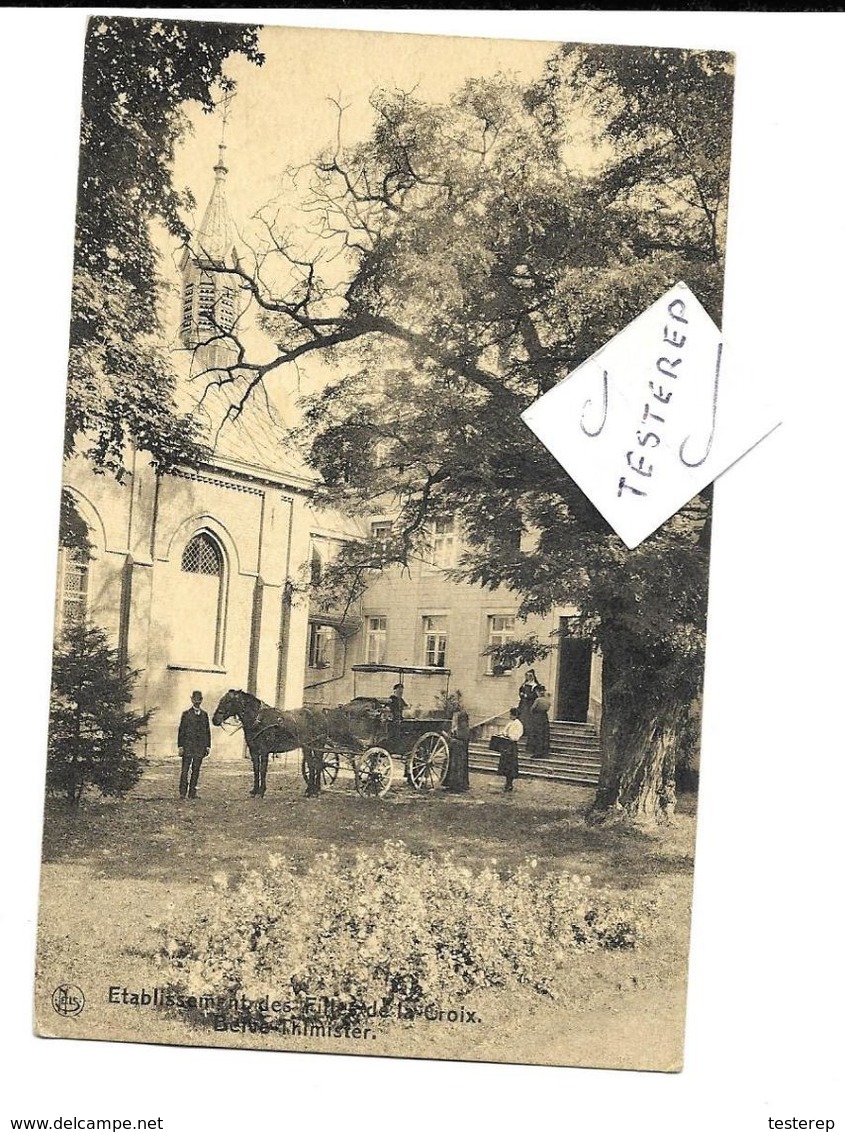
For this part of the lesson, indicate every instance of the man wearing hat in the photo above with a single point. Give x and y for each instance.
(194, 743)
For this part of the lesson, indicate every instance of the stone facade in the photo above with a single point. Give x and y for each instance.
(188, 574)
(419, 616)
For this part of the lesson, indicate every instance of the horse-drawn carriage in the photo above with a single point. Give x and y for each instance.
(364, 736)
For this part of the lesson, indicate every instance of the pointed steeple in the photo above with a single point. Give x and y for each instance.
(214, 242)
(210, 294)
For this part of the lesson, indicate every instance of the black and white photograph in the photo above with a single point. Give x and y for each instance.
(397, 738)
(400, 370)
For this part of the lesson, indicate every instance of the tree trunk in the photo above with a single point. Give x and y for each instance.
(637, 778)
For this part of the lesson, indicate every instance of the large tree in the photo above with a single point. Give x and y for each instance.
(140, 76)
(458, 263)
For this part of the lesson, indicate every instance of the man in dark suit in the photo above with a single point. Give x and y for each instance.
(194, 743)
(396, 706)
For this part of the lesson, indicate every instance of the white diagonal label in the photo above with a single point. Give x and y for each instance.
(652, 417)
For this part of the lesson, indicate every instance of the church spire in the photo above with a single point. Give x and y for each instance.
(211, 295)
(215, 239)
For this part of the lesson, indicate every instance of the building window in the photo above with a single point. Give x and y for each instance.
(316, 567)
(75, 571)
(226, 316)
(205, 309)
(500, 630)
(376, 640)
(434, 641)
(320, 645)
(380, 535)
(188, 308)
(200, 599)
(202, 556)
(442, 543)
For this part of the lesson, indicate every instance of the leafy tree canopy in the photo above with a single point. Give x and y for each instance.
(465, 264)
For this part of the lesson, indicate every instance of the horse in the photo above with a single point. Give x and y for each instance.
(269, 730)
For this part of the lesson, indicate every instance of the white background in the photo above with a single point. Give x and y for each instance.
(765, 992)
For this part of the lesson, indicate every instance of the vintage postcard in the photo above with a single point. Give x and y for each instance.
(369, 734)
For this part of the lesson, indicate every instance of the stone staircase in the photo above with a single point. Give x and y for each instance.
(574, 756)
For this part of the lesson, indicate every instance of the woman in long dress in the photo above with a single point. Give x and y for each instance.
(457, 774)
(537, 732)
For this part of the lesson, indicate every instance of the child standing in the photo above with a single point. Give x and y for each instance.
(509, 757)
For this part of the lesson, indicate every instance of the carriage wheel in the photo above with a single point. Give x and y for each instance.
(329, 766)
(373, 773)
(428, 761)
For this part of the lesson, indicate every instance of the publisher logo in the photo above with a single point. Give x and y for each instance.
(68, 1000)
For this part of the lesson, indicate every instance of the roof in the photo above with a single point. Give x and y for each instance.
(403, 669)
(333, 524)
(214, 240)
(255, 440)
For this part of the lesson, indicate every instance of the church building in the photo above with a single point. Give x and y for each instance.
(190, 572)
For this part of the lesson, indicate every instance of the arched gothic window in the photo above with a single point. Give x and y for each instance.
(201, 602)
(202, 556)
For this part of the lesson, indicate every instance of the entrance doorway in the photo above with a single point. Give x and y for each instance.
(575, 659)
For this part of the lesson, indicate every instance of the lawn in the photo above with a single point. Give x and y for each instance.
(118, 873)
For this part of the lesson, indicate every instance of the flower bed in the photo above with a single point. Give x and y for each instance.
(399, 929)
